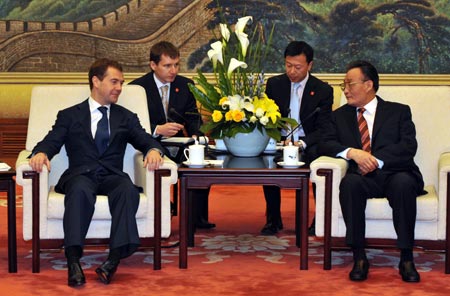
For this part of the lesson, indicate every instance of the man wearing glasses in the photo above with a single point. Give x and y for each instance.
(308, 100)
(378, 139)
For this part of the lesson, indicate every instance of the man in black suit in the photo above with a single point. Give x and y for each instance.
(176, 114)
(381, 163)
(95, 134)
(305, 98)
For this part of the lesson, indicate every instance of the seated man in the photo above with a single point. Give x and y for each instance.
(173, 109)
(378, 139)
(307, 99)
(95, 167)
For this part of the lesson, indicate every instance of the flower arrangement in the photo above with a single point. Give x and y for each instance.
(236, 102)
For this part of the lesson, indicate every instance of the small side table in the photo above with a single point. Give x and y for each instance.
(7, 184)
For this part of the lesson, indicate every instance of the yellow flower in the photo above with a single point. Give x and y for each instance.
(216, 116)
(238, 115)
(229, 116)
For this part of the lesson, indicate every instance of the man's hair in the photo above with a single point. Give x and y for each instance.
(296, 48)
(99, 68)
(369, 71)
(163, 48)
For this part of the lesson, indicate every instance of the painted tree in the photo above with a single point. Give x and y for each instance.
(427, 28)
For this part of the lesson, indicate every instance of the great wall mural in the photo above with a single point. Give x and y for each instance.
(403, 36)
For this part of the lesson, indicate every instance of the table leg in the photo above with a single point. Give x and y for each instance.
(183, 224)
(12, 242)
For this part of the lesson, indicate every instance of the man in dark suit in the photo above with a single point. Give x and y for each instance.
(378, 139)
(173, 112)
(95, 134)
(305, 98)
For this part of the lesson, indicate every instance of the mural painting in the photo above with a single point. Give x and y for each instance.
(403, 36)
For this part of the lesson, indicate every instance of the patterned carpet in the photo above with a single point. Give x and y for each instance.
(232, 259)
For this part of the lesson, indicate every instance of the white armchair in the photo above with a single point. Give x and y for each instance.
(46, 101)
(430, 106)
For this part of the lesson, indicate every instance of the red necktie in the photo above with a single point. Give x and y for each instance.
(363, 130)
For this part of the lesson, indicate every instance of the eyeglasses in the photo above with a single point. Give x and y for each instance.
(349, 84)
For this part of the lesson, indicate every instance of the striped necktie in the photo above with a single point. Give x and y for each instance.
(363, 130)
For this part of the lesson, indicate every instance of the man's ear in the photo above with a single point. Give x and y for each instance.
(152, 65)
(95, 81)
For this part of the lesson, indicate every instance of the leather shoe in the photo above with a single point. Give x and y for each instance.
(408, 272)
(360, 270)
(107, 270)
(75, 275)
(312, 229)
(203, 224)
(271, 228)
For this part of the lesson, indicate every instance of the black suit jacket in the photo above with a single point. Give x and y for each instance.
(181, 100)
(316, 94)
(73, 129)
(393, 137)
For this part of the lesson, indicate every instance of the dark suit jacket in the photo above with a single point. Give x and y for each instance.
(393, 137)
(316, 94)
(181, 100)
(73, 129)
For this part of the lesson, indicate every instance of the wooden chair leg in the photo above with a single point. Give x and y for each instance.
(157, 217)
(328, 174)
(175, 200)
(36, 247)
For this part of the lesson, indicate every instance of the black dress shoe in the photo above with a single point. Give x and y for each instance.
(107, 270)
(408, 272)
(271, 228)
(203, 224)
(75, 275)
(360, 270)
(312, 229)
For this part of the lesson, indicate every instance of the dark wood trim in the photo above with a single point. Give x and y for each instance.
(13, 135)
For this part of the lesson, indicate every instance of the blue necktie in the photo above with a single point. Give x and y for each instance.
(102, 133)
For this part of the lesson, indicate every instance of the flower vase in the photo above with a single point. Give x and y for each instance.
(247, 144)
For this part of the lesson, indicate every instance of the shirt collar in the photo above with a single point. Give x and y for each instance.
(159, 83)
(371, 107)
(93, 104)
(301, 83)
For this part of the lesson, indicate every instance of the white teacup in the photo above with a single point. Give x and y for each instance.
(220, 144)
(290, 154)
(195, 154)
(272, 145)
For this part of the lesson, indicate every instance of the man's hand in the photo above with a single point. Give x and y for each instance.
(38, 161)
(366, 162)
(169, 129)
(153, 160)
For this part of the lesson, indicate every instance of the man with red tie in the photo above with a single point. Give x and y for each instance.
(378, 139)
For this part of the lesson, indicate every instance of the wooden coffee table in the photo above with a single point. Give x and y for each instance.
(244, 171)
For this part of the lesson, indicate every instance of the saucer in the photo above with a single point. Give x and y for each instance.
(195, 166)
(272, 151)
(290, 166)
(214, 147)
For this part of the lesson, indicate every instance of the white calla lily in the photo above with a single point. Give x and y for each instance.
(225, 32)
(241, 23)
(243, 39)
(234, 64)
(215, 54)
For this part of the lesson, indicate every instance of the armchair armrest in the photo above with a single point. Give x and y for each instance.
(444, 195)
(338, 168)
(144, 178)
(22, 166)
